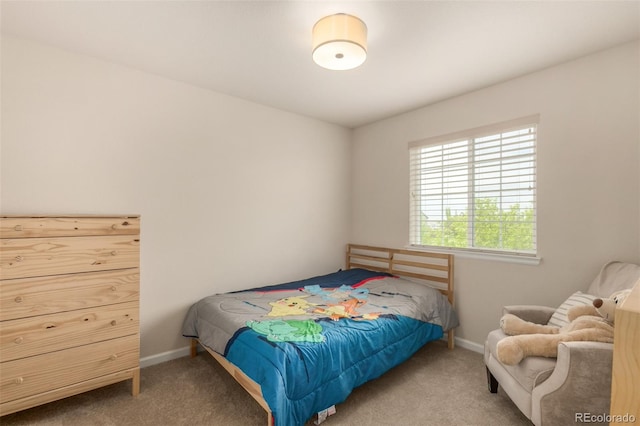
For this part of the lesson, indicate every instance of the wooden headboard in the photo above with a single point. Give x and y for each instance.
(434, 269)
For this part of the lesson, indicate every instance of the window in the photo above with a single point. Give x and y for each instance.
(476, 189)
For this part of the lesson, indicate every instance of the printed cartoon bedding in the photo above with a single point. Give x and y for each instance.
(309, 343)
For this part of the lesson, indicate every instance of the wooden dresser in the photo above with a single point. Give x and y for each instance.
(625, 379)
(69, 306)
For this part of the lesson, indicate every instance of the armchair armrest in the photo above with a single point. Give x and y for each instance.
(579, 385)
(532, 313)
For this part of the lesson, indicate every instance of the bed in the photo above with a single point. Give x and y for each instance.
(300, 348)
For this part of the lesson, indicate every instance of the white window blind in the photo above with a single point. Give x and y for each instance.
(476, 189)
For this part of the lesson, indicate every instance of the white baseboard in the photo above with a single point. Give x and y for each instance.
(148, 361)
(468, 344)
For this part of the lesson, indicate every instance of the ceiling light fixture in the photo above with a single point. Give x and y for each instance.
(339, 42)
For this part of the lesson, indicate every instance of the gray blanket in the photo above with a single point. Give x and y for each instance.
(215, 319)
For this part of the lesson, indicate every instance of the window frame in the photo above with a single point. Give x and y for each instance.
(472, 135)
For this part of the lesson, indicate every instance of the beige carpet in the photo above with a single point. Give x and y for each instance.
(435, 387)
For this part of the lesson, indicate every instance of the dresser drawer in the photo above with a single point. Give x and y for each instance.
(30, 227)
(27, 297)
(34, 257)
(64, 392)
(36, 374)
(47, 333)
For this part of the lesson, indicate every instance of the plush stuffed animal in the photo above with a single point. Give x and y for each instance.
(607, 307)
(587, 323)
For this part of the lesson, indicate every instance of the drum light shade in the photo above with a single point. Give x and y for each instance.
(339, 42)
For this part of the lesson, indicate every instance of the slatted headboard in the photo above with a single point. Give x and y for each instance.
(434, 269)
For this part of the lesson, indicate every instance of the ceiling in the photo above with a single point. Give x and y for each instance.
(419, 52)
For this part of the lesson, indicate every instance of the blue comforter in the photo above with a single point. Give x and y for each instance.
(308, 344)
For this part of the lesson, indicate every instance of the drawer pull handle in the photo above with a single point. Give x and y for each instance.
(114, 226)
(113, 253)
(19, 380)
(19, 258)
(113, 322)
(18, 227)
(18, 299)
(114, 288)
(113, 357)
(19, 340)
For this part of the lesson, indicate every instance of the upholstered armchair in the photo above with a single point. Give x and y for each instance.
(561, 391)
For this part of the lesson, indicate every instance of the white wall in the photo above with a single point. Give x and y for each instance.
(232, 194)
(588, 186)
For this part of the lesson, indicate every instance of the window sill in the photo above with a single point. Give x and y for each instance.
(469, 254)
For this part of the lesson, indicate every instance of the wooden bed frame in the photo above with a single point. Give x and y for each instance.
(434, 269)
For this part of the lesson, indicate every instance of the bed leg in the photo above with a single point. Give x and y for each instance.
(450, 339)
(194, 348)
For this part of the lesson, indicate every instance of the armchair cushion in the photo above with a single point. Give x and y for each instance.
(559, 318)
(533, 313)
(614, 276)
(530, 372)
